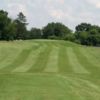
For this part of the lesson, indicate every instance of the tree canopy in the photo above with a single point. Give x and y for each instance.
(15, 29)
(88, 34)
(56, 30)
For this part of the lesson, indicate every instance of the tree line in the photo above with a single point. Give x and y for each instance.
(16, 29)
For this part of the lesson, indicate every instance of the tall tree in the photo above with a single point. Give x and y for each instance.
(10, 31)
(4, 22)
(21, 26)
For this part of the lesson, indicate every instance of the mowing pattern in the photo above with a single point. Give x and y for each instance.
(77, 66)
(49, 70)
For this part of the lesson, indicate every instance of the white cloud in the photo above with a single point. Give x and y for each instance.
(16, 8)
(40, 12)
(57, 1)
(58, 14)
(96, 3)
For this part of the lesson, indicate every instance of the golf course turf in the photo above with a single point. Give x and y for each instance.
(49, 70)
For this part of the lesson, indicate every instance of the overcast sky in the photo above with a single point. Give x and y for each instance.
(40, 12)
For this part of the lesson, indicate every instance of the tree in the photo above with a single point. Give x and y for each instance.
(83, 27)
(21, 26)
(57, 30)
(35, 33)
(70, 37)
(93, 37)
(83, 37)
(48, 30)
(4, 22)
(88, 34)
(10, 31)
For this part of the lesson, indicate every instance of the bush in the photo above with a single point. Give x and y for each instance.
(53, 37)
(70, 37)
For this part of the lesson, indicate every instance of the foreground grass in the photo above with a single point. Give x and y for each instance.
(49, 70)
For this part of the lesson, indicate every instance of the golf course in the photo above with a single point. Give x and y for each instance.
(49, 70)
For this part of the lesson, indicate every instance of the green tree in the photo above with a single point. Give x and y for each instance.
(21, 26)
(10, 31)
(4, 22)
(35, 33)
(88, 34)
(57, 30)
(83, 27)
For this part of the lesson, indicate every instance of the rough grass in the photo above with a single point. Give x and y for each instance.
(49, 70)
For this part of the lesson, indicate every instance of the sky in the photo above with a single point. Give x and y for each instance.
(40, 12)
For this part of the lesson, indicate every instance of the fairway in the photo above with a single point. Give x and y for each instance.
(49, 70)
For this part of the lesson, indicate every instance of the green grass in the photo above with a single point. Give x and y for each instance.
(49, 70)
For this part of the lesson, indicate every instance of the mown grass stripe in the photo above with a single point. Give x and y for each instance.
(90, 57)
(63, 61)
(52, 65)
(19, 60)
(10, 55)
(41, 60)
(31, 59)
(74, 62)
(72, 89)
(3, 54)
(82, 86)
(67, 88)
(85, 61)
